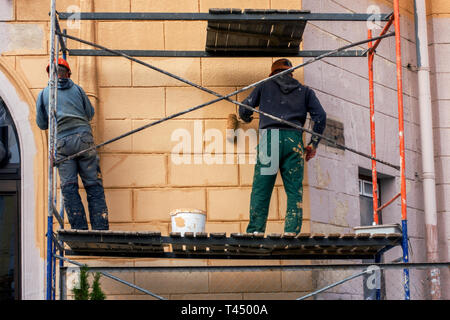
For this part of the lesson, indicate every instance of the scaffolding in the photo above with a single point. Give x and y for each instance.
(217, 246)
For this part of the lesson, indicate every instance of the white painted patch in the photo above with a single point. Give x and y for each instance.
(72, 276)
(6, 10)
(21, 36)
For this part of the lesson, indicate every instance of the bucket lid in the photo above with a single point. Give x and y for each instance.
(187, 210)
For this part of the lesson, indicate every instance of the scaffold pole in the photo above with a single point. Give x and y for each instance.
(401, 146)
(51, 144)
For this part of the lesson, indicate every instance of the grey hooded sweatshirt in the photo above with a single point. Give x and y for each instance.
(285, 98)
(73, 109)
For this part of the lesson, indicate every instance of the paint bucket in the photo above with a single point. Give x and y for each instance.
(188, 220)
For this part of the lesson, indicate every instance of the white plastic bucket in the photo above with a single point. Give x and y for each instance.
(188, 220)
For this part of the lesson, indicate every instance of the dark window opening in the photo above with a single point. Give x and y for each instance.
(10, 277)
(366, 200)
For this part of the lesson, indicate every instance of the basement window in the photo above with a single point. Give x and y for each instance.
(365, 188)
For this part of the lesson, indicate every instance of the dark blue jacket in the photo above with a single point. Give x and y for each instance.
(285, 98)
(73, 109)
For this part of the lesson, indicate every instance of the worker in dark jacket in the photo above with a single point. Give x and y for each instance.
(281, 146)
(73, 114)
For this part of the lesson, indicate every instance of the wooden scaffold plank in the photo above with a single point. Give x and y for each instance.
(217, 248)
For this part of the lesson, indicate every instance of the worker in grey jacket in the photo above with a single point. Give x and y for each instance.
(73, 114)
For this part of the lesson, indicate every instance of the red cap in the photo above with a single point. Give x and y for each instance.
(280, 64)
(61, 62)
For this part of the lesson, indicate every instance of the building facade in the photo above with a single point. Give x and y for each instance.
(143, 183)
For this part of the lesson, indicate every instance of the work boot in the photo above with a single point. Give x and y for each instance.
(98, 211)
(74, 207)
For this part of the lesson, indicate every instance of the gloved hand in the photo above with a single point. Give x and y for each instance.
(246, 119)
(310, 152)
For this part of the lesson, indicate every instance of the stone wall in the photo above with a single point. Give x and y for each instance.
(143, 184)
(439, 44)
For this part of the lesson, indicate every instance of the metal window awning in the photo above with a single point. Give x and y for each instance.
(220, 246)
(235, 32)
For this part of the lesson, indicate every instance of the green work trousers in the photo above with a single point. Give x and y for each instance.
(278, 150)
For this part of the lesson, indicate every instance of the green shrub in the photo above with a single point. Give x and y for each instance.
(81, 292)
(97, 293)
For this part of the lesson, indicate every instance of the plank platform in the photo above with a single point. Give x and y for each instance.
(254, 36)
(220, 246)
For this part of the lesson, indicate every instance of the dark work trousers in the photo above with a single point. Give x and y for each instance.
(278, 150)
(88, 168)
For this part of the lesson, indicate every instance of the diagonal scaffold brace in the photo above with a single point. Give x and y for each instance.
(226, 97)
